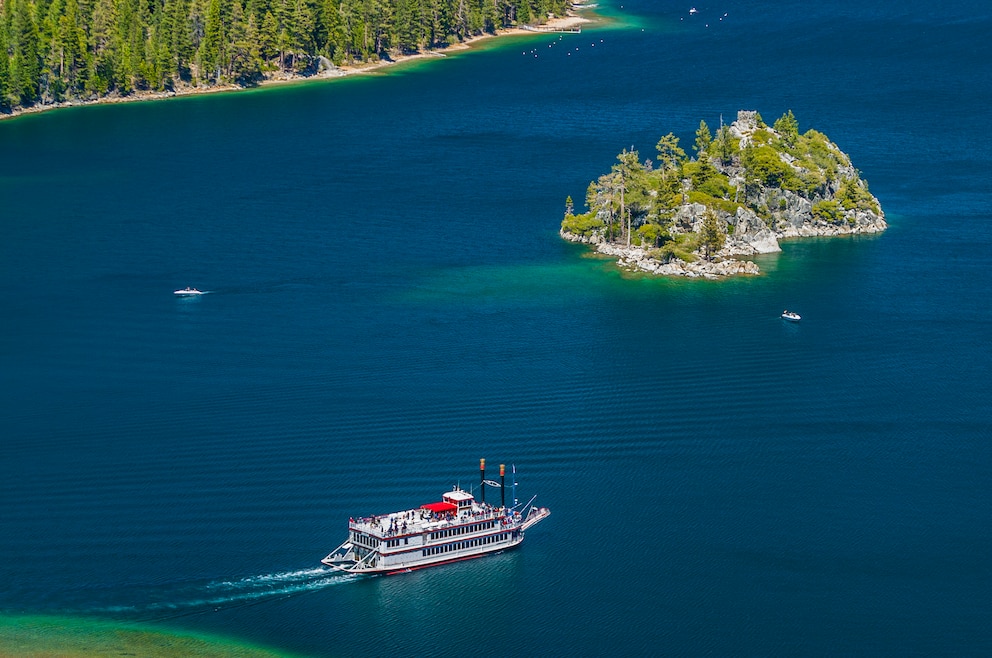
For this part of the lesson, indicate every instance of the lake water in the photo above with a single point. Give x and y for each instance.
(389, 301)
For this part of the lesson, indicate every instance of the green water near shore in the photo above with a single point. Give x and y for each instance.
(39, 636)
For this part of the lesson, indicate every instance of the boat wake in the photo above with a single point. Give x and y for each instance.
(192, 598)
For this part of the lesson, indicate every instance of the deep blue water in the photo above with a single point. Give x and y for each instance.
(389, 302)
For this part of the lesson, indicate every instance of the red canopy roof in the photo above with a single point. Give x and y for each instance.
(440, 508)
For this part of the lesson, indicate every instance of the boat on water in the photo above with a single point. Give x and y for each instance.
(456, 528)
(791, 316)
(188, 292)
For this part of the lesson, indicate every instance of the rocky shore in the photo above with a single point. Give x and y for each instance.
(640, 259)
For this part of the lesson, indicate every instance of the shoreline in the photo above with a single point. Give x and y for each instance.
(731, 261)
(571, 21)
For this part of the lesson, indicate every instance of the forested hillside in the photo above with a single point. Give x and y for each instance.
(57, 50)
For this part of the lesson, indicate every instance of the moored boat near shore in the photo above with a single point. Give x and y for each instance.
(459, 527)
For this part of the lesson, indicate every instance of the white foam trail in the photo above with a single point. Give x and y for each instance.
(263, 579)
(243, 591)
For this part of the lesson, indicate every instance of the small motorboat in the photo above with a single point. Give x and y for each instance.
(188, 292)
(791, 316)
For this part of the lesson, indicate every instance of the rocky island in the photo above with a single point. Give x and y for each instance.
(749, 186)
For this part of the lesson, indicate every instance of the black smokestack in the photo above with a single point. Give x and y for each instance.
(502, 485)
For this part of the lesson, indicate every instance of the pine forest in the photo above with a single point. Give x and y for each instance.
(53, 51)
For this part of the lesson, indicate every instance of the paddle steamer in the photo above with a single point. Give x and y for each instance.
(459, 527)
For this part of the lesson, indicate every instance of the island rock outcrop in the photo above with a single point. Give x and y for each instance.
(749, 186)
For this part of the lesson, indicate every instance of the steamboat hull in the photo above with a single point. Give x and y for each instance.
(455, 529)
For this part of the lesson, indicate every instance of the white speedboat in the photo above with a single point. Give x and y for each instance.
(188, 292)
(454, 529)
(791, 316)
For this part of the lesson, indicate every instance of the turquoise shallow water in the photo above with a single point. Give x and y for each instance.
(389, 302)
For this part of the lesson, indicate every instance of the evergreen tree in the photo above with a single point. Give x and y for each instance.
(161, 59)
(268, 37)
(73, 39)
(406, 33)
(712, 235)
(725, 146)
(788, 128)
(101, 55)
(625, 170)
(703, 140)
(52, 52)
(211, 53)
(25, 60)
(670, 155)
(4, 67)
(301, 34)
(250, 71)
(332, 43)
(181, 48)
(124, 69)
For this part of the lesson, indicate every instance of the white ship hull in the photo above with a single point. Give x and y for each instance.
(346, 559)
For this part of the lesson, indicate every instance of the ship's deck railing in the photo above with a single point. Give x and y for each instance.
(420, 520)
